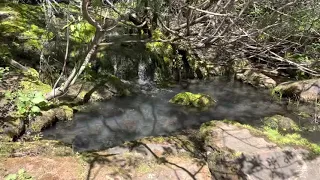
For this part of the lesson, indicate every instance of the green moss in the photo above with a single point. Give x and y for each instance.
(291, 139)
(288, 139)
(25, 25)
(157, 139)
(31, 73)
(193, 100)
(207, 127)
(31, 83)
(42, 121)
(163, 50)
(280, 123)
(40, 147)
(145, 168)
(68, 112)
(82, 32)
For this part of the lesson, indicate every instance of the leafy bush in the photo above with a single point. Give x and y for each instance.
(21, 175)
(3, 72)
(27, 104)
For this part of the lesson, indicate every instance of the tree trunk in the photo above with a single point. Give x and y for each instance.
(99, 35)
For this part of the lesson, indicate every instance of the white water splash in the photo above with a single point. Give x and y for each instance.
(142, 74)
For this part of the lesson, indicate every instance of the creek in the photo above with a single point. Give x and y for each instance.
(148, 113)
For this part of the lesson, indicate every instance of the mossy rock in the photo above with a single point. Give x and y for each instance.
(11, 129)
(47, 118)
(39, 147)
(32, 83)
(306, 90)
(193, 100)
(223, 165)
(24, 26)
(280, 123)
(256, 79)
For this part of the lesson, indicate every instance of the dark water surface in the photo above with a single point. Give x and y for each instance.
(107, 124)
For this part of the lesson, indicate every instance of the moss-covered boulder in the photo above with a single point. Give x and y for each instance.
(31, 82)
(11, 128)
(49, 117)
(256, 79)
(193, 100)
(222, 161)
(22, 29)
(280, 123)
(306, 90)
(102, 89)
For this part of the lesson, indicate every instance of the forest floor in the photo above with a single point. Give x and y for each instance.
(259, 159)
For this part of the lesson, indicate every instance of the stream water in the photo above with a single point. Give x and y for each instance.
(107, 124)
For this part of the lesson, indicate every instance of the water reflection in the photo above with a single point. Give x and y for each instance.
(107, 124)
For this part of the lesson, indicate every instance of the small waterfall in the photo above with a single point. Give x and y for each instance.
(142, 74)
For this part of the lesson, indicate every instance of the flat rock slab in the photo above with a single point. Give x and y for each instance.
(264, 160)
(148, 161)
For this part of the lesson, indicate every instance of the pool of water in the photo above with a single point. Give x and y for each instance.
(110, 123)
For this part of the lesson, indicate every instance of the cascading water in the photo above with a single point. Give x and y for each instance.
(142, 74)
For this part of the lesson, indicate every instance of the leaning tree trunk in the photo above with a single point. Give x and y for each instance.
(99, 35)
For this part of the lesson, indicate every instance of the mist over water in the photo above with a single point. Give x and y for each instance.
(110, 123)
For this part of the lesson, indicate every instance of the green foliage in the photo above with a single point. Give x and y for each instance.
(281, 124)
(3, 72)
(21, 175)
(161, 49)
(27, 104)
(288, 139)
(82, 32)
(193, 100)
(25, 25)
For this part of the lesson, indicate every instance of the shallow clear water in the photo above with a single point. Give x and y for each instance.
(107, 124)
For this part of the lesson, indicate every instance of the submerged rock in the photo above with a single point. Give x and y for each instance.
(306, 90)
(280, 123)
(256, 79)
(193, 100)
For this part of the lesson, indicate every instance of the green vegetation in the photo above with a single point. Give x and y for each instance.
(29, 98)
(3, 72)
(27, 104)
(293, 139)
(281, 124)
(260, 43)
(193, 100)
(21, 175)
(24, 26)
(280, 138)
(40, 147)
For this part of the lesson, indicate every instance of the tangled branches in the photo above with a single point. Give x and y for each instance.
(276, 32)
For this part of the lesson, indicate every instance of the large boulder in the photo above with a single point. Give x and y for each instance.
(256, 79)
(11, 128)
(306, 90)
(222, 161)
(193, 100)
(280, 123)
(103, 89)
